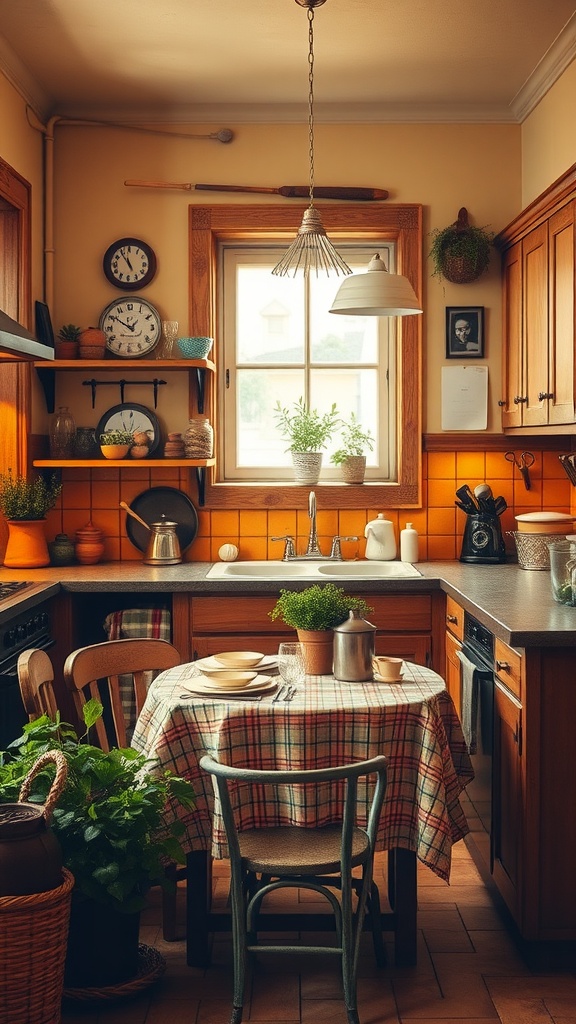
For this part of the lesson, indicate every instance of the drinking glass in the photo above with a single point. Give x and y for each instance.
(291, 663)
(169, 335)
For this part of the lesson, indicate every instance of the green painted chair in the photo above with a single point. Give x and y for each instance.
(321, 859)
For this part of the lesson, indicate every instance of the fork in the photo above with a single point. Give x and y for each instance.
(279, 693)
(290, 693)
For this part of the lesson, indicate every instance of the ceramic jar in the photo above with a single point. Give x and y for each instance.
(89, 546)
(62, 434)
(61, 550)
(199, 438)
(85, 444)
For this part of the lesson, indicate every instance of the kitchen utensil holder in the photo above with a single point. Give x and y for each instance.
(568, 463)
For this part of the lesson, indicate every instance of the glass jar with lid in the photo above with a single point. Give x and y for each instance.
(199, 438)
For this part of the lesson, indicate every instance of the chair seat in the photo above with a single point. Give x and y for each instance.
(289, 850)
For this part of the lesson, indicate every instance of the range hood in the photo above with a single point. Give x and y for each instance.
(17, 344)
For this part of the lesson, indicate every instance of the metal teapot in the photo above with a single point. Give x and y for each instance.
(354, 649)
(163, 547)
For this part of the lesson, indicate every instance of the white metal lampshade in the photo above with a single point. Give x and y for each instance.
(376, 293)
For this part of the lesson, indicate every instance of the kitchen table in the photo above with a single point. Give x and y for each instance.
(328, 722)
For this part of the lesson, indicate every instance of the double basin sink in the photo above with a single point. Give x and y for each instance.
(305, 570)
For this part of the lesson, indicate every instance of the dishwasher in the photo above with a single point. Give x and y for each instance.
(478, 660)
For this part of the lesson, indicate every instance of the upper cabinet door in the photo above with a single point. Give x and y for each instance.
(535, 327)
(512, 340)
(562, 285)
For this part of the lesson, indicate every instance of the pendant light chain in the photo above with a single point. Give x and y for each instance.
(311, 249)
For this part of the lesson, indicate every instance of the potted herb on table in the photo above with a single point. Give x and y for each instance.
(351, 455)
(313, 613)
(25, 503)
(308, 432)
(109, 822)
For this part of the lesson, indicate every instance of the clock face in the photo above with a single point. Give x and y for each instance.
(132, 327)
(129, 263)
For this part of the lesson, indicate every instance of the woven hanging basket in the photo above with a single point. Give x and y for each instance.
(464, 252)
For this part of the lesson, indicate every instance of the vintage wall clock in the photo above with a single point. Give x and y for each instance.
(129, 263)
(132, 327)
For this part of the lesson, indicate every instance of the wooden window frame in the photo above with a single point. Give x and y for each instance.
(209, 226)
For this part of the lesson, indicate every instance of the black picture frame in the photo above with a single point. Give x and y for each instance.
(43, 324)
(465, 340)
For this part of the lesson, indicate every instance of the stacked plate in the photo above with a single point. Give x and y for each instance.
(233, 673)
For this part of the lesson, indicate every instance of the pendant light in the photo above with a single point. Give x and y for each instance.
(311, 249)
(376, 293)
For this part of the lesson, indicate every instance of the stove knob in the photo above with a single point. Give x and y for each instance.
(21, 632)
(9, 638)
(31, 627)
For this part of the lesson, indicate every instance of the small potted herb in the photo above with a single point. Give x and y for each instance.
(313, 613)
(66, 344)
(307, 432)
(461, 253)
(115, 444)
(351, 455)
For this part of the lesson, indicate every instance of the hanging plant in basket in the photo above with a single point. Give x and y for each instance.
(461, 253)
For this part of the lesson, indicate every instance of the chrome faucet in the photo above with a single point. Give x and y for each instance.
(313, 551)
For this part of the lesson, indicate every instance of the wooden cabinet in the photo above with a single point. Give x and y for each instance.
(538, 352)
(507, 809)
(405, 625)
(453, 642)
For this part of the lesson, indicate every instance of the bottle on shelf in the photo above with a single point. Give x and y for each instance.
(62, 434)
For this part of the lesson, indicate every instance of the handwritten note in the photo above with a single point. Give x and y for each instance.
(464, 397)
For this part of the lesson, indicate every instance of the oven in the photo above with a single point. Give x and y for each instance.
(478, 661)
(20, 629)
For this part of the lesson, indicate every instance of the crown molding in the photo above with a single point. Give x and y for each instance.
(547, 72)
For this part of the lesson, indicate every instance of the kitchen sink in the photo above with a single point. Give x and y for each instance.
(311, 570)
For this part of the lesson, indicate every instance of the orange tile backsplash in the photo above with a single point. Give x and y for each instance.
(95, 495)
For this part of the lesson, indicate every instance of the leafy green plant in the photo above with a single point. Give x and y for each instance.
(355, 441)
(109, 818)
(460, 252)
(317, 607)
(305, 429)
(117, 437)
(69, 332)
(27, 499)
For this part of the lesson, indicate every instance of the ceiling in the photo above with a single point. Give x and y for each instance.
(227, 61)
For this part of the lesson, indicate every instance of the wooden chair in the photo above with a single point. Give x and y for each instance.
(264, 859)
(100, 671)
(36, 681)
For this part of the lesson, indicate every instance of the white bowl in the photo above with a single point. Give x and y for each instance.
(239, 659)
(232, 680)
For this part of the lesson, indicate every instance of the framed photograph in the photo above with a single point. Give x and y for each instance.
(464, 332)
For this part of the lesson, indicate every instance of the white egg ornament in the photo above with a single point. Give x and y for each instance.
(228, 552)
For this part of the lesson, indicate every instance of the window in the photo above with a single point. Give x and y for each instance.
(387, 376)
(280, 342)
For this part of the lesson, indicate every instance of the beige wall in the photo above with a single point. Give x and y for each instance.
(443, 167)
(549, 137)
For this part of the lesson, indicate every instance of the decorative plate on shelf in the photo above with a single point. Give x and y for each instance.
(131, 417)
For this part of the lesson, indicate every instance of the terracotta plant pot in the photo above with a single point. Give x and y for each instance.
(318, 647)
(27, 547)
(114, 451)
(66, 349)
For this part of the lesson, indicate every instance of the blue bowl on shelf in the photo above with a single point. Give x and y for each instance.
(195, 348)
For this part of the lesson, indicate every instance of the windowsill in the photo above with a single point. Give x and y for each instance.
(286, 495)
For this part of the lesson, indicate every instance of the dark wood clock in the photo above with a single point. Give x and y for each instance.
(129, 263)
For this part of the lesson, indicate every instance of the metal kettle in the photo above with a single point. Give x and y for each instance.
(163, 547)
(354, 649)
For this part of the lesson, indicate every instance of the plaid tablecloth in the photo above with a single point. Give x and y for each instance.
(329, 722)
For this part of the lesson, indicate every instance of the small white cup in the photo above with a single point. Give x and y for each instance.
(390, 670)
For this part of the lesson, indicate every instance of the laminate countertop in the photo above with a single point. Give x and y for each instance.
(515, 604)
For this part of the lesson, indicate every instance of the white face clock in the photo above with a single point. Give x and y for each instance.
(132, 327)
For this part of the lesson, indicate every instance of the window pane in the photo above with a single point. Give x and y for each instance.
(259, 441)
(269, 316)
(339, 339)
(354, 391)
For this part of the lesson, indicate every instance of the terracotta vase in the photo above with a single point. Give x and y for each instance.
(27, 547)
(318, 647)
(89, 546)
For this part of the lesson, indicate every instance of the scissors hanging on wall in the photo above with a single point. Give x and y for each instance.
(523, 463)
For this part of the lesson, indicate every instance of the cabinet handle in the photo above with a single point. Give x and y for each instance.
(545, 394)
(519, 399)
(502, 666)
(452, 618)
(502, 401)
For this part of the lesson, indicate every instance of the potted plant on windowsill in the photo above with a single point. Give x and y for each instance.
(308, 432)
(110, 825)
(313, 613)
(115, 444)
(460, 252)
(25, 503)
(351, 455)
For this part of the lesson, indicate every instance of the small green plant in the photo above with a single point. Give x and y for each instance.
(460, 252)
(317, 607)
(306, 429)
(117, 437)
(109, 819)
(355, 441)
(27, 499)
(69, 332)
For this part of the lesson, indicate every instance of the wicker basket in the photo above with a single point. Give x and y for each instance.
(33, 937)
(532, 549)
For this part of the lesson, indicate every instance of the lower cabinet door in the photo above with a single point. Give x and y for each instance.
(454, 672)
(204, 646)
(416, 647)
(507, 796)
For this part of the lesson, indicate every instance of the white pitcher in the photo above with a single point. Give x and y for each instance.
(380, 539)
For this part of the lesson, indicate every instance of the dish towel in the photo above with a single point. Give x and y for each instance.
(469, 701)
(136, 624)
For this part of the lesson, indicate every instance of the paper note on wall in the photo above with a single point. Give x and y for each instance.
(464, 397)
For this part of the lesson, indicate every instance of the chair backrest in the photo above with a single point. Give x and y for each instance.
(96, 671)
(36, 681)
(223, 775)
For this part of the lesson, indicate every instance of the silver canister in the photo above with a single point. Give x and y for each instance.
(354, 649)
